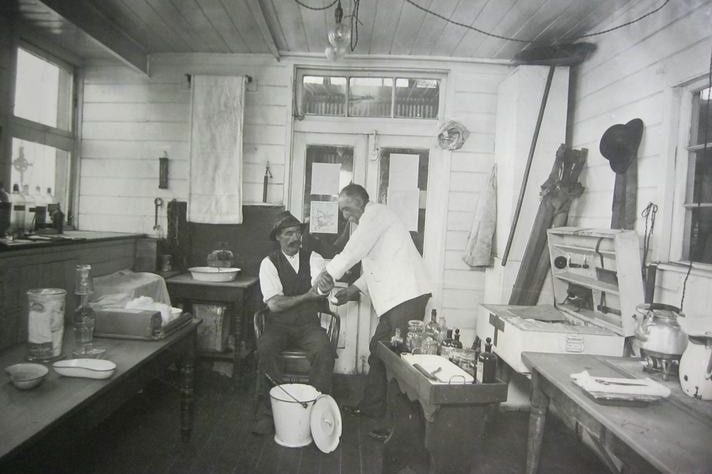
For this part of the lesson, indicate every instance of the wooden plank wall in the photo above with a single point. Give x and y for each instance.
(472, 101)
(631, 75)
(130, 120)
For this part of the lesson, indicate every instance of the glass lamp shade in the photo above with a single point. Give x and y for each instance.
(335, 54)
(339, 36)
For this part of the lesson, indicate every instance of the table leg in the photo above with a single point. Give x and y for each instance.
(239, 314)
(187, 371)
(453, 437)
(537, 422)
(406, 445)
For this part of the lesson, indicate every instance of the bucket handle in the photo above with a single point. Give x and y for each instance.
(274, 382)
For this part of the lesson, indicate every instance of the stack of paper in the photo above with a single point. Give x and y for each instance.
(620, 388)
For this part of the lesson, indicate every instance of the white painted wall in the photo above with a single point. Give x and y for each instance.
(632, 74)
(129, 120)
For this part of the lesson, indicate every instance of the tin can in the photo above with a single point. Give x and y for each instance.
(45, 323)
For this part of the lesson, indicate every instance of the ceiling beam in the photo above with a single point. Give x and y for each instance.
(84, 16)
(259, 15)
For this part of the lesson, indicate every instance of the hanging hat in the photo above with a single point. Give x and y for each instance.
(282, 221)
(619, 144)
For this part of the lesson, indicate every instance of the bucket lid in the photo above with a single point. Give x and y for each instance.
(325, 422)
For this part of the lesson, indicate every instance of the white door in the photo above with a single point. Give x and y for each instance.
(374, 161)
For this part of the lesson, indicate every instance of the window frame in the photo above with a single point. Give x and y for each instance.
(36, 132)
(681, 180)
(348, 73)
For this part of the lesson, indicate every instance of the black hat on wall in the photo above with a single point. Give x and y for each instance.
(282, 221)
(619, 144)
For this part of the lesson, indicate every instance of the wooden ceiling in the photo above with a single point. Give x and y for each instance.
(134, 29)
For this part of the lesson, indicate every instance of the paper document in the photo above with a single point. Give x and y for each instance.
(439, 367)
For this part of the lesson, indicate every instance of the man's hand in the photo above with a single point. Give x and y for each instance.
(350, 293)
(324, 282)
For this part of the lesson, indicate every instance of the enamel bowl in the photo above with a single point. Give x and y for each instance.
(26, 375)
(86, 368)
(214, 273)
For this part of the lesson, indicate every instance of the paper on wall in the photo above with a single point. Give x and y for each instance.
(403, 171)
(324, 217)
(325, 178)
(404, 202)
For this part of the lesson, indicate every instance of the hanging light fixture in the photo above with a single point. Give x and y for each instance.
(339, 36)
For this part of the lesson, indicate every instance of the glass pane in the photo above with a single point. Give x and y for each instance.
(326, 205)
(705, 116)
(323, 95)
(370, 96)
(43, 91)
(701, 234)
(417, 98)
(702, 187)
(385, 177)
(41, 171)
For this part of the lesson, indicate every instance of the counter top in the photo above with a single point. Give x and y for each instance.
(68, 237)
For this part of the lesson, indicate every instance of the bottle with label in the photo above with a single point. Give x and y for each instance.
(17, 218)
(29, 209)
(487, 364)
(84, 316)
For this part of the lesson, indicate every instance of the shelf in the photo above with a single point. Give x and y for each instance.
(587, 282)
(586, 250)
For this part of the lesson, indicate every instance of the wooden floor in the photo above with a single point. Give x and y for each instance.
(143, 437)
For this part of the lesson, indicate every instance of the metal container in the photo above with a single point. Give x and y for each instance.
(658, 331)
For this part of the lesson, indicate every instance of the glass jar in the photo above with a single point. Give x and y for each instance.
(45, 324)
(414, 338)
(429, 346)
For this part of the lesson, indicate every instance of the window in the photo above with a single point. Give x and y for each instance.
(368, 95)
(694, 193)
(42, 128)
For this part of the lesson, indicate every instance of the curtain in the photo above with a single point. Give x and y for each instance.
(215, 180)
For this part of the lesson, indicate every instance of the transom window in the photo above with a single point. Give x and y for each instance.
(368, 95)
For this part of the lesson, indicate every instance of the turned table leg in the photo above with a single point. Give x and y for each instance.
(187, 371)
(537, 421)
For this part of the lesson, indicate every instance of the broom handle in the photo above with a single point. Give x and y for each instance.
(532, 147)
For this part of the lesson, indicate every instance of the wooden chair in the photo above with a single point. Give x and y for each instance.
(295, 365)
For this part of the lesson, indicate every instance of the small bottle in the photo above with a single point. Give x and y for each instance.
(397, 344)
(456, 341)
(443, 329)
(432, 328)
(486, 364)
(84, 316)
(17, 218)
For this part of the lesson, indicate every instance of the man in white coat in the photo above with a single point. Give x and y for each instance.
(394, 276)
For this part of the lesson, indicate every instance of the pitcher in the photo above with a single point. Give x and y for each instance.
(696, 367)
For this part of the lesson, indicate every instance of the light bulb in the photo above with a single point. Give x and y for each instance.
(340, 35)
(335, 54)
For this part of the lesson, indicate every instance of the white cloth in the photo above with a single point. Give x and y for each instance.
(478, 250)
(271, 285)
(215, 181)
(393, 270)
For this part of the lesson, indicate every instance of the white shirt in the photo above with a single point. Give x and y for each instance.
(270, 283)
(393, 270)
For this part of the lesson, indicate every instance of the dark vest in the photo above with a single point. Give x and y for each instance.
(294, 284)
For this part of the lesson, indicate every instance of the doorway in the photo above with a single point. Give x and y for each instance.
(396, 170)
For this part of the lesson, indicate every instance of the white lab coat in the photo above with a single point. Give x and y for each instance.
(393, 270)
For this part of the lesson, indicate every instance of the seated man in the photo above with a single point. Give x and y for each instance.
(286, 280)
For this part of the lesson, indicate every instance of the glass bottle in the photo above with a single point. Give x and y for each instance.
(84, 316)
(486, 364)
(432, 328)
(397, 341)
(414, 338)
(456, 341)
(17, 218)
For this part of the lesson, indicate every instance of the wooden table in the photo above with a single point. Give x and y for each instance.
(69, 406)
(673, 435)
(446, 420)
(238, 295)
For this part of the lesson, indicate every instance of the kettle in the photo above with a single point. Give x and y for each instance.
(658, 331)
(696, 367)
